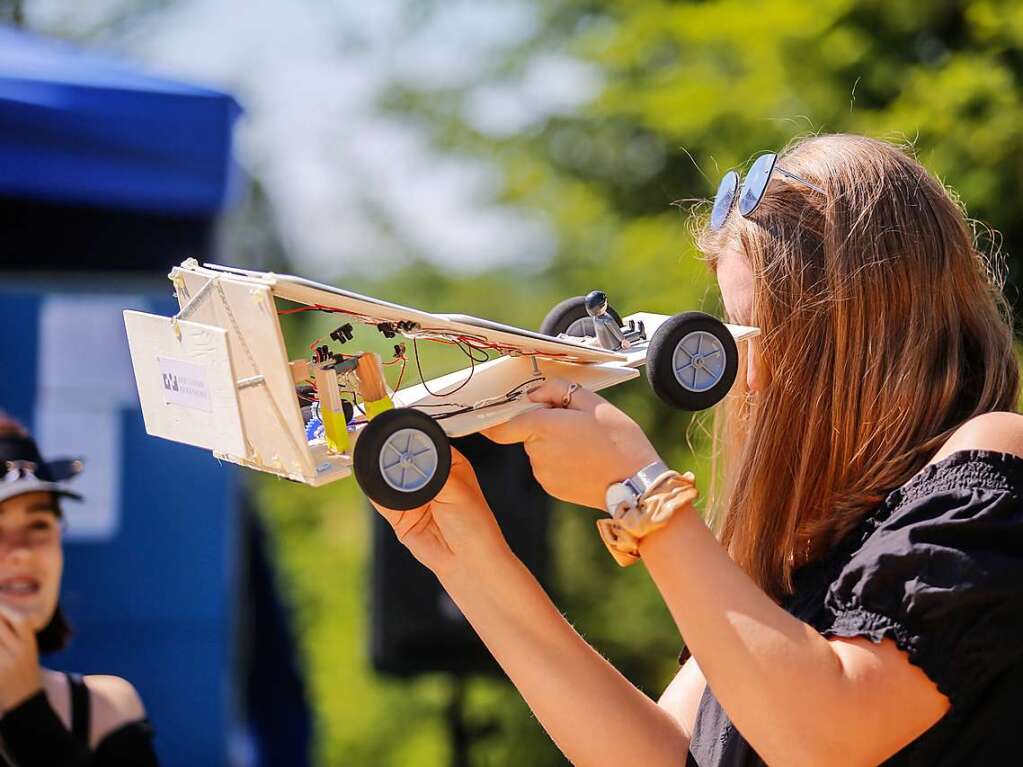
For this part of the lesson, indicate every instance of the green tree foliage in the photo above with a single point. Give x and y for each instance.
(690, 90)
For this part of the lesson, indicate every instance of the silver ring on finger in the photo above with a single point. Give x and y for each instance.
(567, 399)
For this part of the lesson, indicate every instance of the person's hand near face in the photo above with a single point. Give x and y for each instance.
(30, 566)
(20, 675)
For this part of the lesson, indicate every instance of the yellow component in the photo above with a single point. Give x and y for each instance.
(378, 406)
(335, 430)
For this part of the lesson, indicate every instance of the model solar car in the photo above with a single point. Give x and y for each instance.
(217, 375)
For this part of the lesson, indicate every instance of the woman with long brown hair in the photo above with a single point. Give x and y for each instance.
(863, 598)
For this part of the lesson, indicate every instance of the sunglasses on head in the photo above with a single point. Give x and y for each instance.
(752, 190)
(52, 471)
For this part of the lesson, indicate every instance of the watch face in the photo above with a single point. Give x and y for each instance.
(617, 495)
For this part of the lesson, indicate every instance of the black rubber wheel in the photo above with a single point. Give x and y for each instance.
(691, 361)
(571, 317)
(402, 458)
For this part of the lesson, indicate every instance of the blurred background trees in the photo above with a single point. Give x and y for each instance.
(567, 130)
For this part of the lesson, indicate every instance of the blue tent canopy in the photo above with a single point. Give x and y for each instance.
(84, 128)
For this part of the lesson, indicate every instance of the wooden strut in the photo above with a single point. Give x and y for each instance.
(370, 372)
(256, 379)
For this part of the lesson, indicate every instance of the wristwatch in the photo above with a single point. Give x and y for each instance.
(627, 492)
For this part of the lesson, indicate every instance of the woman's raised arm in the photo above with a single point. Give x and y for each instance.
(593, 713)
(797, 697)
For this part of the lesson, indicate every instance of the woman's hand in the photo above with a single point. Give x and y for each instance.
(456, 528)
(20, 677)
(576, 452)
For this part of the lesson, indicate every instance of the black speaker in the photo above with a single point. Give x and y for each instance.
(415, 627)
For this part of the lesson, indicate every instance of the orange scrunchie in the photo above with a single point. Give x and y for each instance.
(667, 494)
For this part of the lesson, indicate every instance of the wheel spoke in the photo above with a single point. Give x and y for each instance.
(422, 473)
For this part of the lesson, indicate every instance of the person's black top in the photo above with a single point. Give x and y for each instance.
(31, 735)
(938, 568)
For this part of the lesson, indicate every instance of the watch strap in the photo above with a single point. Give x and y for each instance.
(640, 481)
(668, 493)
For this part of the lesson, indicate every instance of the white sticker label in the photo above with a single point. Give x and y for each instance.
(184, 384)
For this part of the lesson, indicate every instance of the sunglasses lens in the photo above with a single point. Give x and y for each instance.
(723, 199)
(755, 185)
(63, 468)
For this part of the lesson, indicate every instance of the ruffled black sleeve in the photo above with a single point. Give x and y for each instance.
(941, 573)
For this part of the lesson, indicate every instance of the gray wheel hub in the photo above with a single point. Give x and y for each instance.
(408, 460)
(578, 327)
(698, 361)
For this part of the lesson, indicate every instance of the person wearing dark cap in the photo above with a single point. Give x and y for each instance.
(50, 718)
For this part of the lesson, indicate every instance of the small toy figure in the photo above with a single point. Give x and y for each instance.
(609, 335)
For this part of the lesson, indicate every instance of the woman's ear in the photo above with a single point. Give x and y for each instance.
(755, 373)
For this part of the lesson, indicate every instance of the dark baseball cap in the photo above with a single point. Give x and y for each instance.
(23, 470)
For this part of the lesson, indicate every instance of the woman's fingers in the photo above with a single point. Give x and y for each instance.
(18, 622)
(554, 390)
(518, 429)
(391, 515)
(552, 393)
(10, 628)
(533, 424)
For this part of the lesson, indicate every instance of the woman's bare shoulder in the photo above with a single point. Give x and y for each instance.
(1000, 432)
(114, 703)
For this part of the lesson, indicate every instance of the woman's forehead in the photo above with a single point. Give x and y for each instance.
(25, 503)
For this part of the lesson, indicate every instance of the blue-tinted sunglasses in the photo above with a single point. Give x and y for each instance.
(753, 188)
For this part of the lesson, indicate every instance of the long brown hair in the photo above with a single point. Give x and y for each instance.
(883, 329)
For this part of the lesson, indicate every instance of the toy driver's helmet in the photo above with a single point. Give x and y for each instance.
(596, 302)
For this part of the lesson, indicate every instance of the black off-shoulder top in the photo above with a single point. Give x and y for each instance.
(31, 735)
(938, 568)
